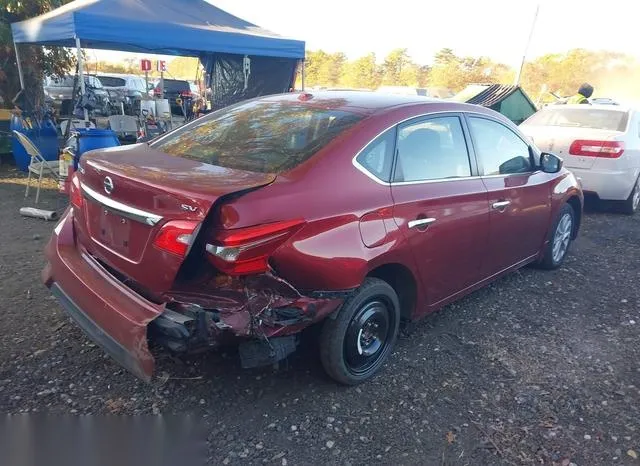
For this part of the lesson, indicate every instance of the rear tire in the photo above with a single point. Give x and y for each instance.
(559, 239)
(630, 206)
(355, 344)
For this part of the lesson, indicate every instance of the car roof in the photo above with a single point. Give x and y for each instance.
(609, 107)
(370, 102)
(116, 75)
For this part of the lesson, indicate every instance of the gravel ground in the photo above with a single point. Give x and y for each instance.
(539, 368)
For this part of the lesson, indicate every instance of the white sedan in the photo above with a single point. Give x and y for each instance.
(600, 144)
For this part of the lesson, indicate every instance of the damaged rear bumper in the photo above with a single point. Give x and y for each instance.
(111, 314)
(262, 313)
(265, 313)
(111, 346)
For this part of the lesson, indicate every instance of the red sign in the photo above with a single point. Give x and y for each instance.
(145, 65)
(161, 65)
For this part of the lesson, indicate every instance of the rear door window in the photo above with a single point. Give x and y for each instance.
(265, 137)
(432, 149)
(377, 157)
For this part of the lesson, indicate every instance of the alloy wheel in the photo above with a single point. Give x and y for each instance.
(562, 237)
(635, 202)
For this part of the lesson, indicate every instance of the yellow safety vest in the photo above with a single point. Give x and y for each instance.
(577, 99)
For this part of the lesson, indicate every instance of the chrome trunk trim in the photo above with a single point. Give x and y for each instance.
(121, 209)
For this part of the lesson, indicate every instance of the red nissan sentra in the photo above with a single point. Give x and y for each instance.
(353, 211)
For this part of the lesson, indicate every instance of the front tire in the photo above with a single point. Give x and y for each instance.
(630, 206)
(560, 238)
(355, 344)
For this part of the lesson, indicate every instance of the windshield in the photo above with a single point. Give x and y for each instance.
(613, 120)
(264, 137)
(112, 81)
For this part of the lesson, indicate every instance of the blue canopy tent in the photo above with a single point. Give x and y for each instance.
(165, 27)
(168, 27)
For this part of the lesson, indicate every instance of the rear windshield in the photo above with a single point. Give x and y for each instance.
(62, 82)
(264, 137)
(172, 85)
(112, 81)
(581, 118)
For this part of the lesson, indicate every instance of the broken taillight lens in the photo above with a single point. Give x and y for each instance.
(176, 236)
(246, 251)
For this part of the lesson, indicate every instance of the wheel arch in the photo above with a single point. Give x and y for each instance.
(402, 280)
(576, 205)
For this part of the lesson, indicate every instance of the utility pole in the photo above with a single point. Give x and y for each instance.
(526, 49)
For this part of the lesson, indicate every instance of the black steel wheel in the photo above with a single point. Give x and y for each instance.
(356, 343)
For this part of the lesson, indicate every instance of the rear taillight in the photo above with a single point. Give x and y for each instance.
(176, 236)
(157, 91)
(604, 149)
(246, 251)
(185, 93)
(75, 195)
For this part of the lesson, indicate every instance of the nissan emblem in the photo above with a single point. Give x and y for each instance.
(108, 184)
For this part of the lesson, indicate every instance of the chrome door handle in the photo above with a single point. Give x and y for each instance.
(500, 205)
(421, 222)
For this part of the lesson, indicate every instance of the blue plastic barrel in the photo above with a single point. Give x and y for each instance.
(42, 133)
(48, 140)
(90, 138)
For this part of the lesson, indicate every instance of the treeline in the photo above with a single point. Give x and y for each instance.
(613, 74)
(398, 69)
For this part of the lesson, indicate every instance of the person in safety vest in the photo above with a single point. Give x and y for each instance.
(582, 97)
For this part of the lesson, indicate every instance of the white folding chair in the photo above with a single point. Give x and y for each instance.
(37, 165)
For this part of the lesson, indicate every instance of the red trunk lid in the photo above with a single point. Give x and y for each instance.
(131, 191)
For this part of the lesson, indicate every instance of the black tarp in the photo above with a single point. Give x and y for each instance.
(266, 75)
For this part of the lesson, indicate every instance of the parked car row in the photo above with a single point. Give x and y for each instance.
(115, 91)
(348, 211)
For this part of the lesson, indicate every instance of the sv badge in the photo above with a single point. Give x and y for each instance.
(189, 208)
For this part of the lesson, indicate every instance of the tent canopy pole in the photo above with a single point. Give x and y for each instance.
(15, 46)
(81, 76)
(302, 73)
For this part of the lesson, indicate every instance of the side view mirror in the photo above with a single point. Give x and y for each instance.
(550, 163)
(515, 165)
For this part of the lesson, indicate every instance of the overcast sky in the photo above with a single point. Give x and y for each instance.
(495, 28)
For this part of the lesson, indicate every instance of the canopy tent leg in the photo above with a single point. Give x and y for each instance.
(81, 76)
(21, 76)
(302, 74)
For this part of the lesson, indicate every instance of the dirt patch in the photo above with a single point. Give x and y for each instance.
(539, 368)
